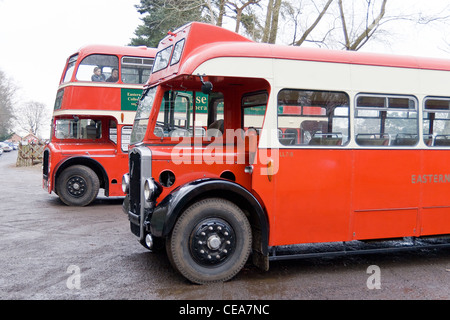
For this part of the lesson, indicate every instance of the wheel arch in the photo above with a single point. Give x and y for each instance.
(93, 164)
(167, 212)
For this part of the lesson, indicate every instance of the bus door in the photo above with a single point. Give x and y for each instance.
(120, 135)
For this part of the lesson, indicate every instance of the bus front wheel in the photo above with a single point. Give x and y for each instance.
(77, 186)
(210, 242)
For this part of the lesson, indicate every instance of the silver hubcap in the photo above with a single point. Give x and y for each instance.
(214, 242)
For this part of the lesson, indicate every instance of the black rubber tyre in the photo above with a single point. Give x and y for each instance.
(77, 186)
(210, 242)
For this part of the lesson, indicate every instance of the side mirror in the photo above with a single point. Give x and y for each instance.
(206, 86)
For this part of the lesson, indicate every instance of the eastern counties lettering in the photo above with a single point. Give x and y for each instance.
(430, 178)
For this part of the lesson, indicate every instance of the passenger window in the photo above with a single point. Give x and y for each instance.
(436, 122)
(313, 118)
(97, 68)
(386, 121)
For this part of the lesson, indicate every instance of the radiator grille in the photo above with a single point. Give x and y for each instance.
(135, 182)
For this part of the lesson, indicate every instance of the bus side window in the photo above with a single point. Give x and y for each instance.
(136, 70)
(313, 118)
(436, 122)
(383, 120)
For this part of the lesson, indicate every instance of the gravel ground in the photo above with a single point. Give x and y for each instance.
(51, 251)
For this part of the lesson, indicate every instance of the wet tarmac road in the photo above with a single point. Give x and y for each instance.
(52, 251)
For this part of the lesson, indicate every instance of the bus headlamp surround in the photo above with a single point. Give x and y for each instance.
(149, 189)
(126, 183)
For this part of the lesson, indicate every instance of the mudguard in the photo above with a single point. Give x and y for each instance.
(171, 207)
(85, 161)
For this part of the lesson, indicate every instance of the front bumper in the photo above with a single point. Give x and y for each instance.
(139, 223)
(132, 217)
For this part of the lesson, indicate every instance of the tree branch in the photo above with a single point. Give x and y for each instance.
(311, 28)
(366, 34)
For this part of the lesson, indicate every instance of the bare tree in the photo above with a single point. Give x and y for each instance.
(32, 116)
(266, 31)
(221, 5)
(212, 6)
(7, 94)
(210, 11)
(271, 24)
(369, 28)
(297, 19)
(348, 25)
(315, 23)
(337, 24)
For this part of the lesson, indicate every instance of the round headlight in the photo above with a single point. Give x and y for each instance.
(149, 189)
(126, 183)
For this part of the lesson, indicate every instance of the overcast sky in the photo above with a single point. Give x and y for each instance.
(37, 36)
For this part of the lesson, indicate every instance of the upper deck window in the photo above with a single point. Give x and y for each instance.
(99, 68)
(70, 68)
(136, 70)
(162, 59)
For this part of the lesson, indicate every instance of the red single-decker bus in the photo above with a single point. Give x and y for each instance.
(295, 147)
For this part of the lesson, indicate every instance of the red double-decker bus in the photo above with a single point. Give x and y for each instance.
(295, 146)
(92, 120)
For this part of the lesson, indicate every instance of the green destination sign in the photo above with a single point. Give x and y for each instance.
(129, 99)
